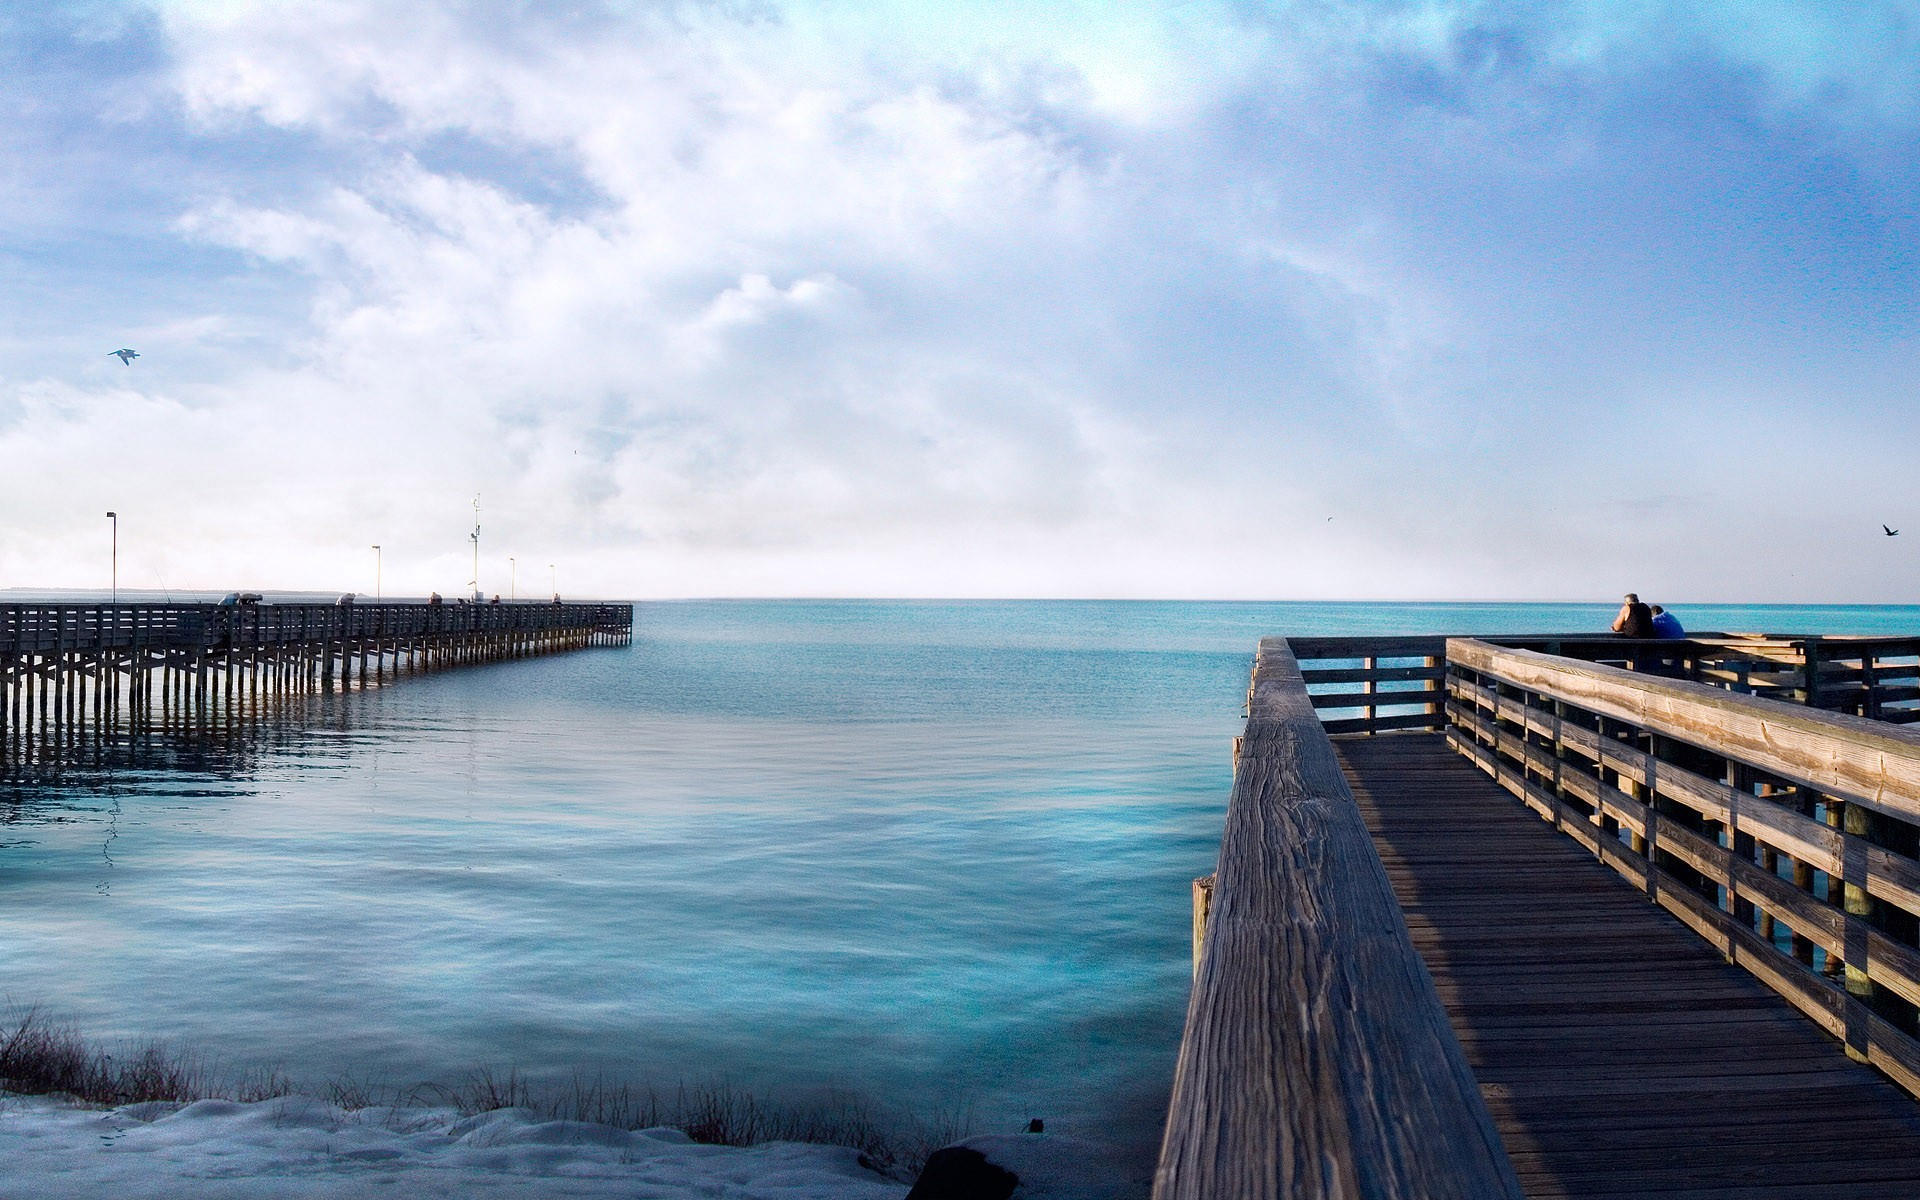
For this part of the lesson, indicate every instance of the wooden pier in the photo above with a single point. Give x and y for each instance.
(77, 673)
(1665, 940)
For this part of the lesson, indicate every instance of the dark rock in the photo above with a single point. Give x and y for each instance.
(957, 1173)
(1036, 1126)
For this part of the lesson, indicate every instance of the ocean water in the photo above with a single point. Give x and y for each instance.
(935, 853)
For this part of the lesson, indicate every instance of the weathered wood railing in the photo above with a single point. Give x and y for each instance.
(1875, 677)
(1317, 1060)
(1374, 684)
(39, 628)
(1379, 684)
(73, 674)
(1787, 836)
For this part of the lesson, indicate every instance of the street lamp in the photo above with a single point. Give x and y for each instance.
(376, 573)
(115, 518)
(474, 537)
(554, 580)
(513, 579)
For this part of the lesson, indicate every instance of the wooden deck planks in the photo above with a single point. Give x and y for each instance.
(1317, 1061)
(1618, 1053)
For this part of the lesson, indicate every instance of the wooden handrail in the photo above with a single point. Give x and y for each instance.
(1411, 667)
(1317, 1059)
(1858, 759)
(32, 627)
(1727, 809)
(70, 674)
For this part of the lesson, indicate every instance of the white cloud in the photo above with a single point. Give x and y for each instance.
(863, 299)
(699, 358)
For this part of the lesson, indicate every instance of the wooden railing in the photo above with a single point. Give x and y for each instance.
(1374, 684)
(1317, 1060)
(51, 628)
(1378, 684)
(1787, 836)
(1876, 677)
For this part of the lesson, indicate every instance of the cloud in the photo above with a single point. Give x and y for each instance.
(909, 299)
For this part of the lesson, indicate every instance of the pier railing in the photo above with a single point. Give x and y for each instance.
(1317, 1059)
(72, 675)
(1374, 684)
(42, 628)
(1762, 788)
(1876, 677)
(1786, 835)
(1377, 684)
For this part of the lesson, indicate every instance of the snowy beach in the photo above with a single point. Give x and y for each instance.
(294, 1146)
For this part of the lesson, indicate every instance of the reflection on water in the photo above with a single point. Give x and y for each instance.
(226, 746)
(903, 867)
(936, 853)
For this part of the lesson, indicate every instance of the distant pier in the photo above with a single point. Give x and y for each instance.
(74, 672)
(1664, 940)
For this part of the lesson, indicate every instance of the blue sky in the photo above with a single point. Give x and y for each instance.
(987, 299)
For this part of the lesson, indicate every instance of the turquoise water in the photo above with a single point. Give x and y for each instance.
(938, 853)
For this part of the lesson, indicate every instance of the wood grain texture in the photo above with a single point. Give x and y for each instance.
(1866, 952)
(1619, 1054)
(1317, 1060)
(1857, 759)
(1890, 876)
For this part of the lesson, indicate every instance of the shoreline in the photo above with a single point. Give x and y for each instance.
(46, 1059)
(75, 1120)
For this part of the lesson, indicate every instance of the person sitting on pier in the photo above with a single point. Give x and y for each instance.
(1635, 619)
(1665, 624)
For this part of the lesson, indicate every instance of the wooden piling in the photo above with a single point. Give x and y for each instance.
(72, 674)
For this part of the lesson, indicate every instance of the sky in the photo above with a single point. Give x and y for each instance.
(1237, 299)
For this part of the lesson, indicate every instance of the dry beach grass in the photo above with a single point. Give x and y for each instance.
(41, 1056)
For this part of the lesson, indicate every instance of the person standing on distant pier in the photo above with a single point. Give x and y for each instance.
(1635, 619)
(1665, 624)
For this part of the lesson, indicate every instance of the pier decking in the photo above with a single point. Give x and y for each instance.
(1619, 1054)
(70, 673)
(1593, 918)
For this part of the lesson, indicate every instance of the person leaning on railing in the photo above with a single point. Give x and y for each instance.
(1635, 619)
(1665, 624)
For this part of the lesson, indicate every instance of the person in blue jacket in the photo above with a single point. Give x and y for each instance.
(1666, 625)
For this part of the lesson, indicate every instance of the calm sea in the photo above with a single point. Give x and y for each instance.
(938, 853)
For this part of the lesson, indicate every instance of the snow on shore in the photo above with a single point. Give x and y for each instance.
(299, 1147)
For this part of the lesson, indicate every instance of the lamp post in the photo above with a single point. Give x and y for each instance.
(513, 579)
(475, 538)
(115, 518)
(376, 572)
(553, 579)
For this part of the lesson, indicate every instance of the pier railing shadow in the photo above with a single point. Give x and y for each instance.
(1787, 836)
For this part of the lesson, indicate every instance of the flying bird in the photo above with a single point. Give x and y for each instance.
(124, 355)
(1891, 531)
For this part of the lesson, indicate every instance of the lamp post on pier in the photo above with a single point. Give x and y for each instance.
(475, 538)
(115, 518)
(513, 579)
(376, 572)
(553, 579)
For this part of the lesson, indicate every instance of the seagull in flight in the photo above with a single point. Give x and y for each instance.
(1891, 531)
(124, 355)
